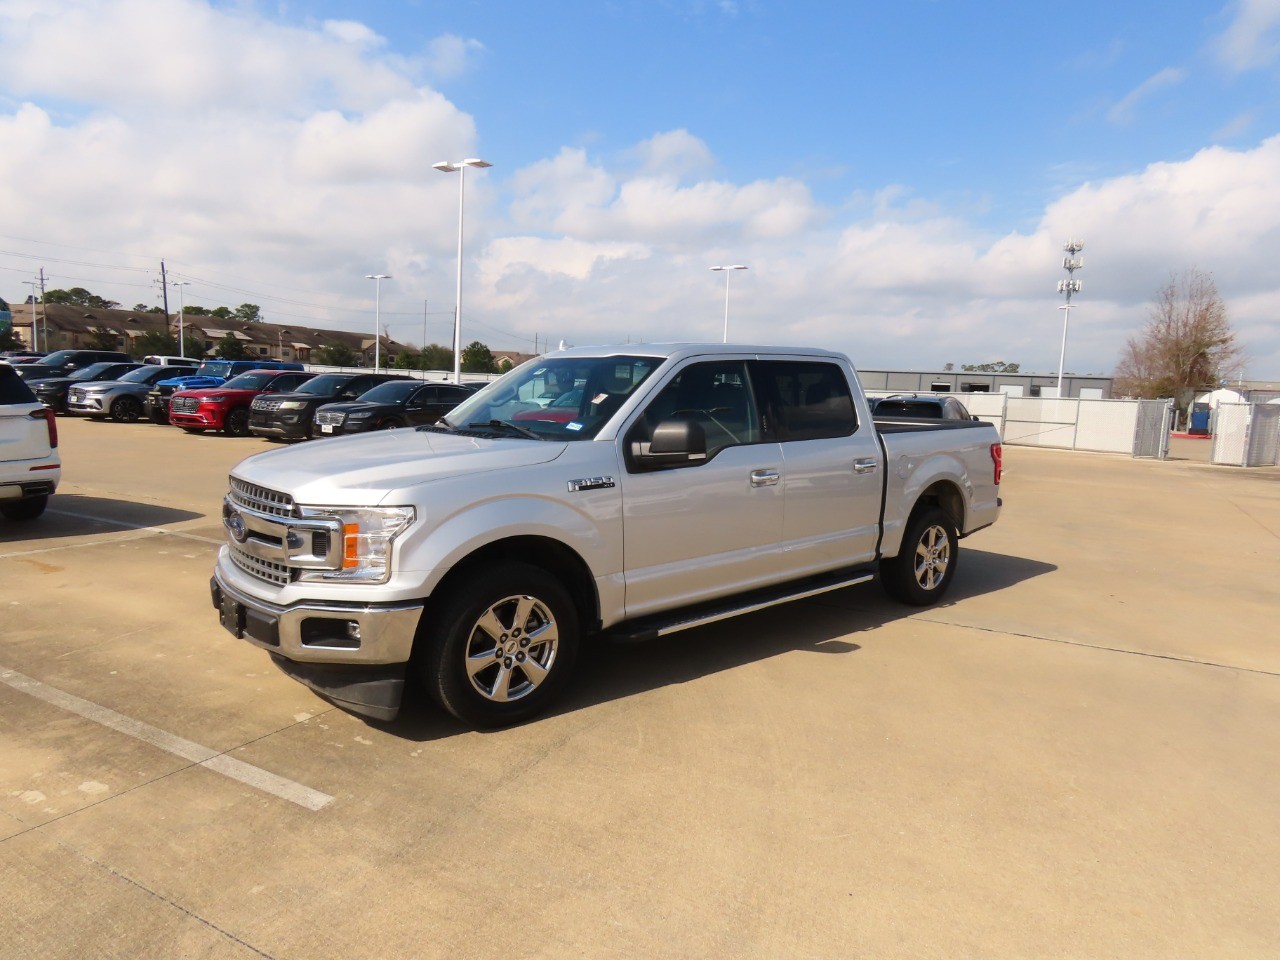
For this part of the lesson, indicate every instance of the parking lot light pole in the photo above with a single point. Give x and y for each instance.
(460, 168)
(182, 348)
(377, 279)
(728, 271)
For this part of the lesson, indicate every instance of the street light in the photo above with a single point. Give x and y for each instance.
(1070, 263)
(182, 339)
(727, 272)
(377, 279)
(459, 168)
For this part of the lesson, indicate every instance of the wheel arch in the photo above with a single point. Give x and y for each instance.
(947, 496)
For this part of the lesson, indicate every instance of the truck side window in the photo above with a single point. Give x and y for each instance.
(718, 396)
(806, 400)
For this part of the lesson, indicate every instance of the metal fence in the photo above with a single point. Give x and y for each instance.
(1246, 434)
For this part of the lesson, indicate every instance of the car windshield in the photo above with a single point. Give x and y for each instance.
(602, 385)
(57, 358)
(214, 368)
(393, 391)
(146, 374)
(325, 385)
(249, 381)
(93, 370)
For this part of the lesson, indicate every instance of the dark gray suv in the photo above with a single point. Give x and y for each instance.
(62, 362)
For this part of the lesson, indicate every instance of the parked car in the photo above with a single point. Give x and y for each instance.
(30, 468)
(210, 373)
(287, 416)
(52, 391)
(227, 407)
(60, 363)
(167, 360)
(920, 407)
(397, 403)
(124, 399)
(563, 409)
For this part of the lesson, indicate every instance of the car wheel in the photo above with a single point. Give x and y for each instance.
(926, 564)
(27, 509)
(126, 409)
(237, 424)
(159, 416)
(502, 646)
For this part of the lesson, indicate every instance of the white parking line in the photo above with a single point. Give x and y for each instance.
(137, 526)
(246, 773)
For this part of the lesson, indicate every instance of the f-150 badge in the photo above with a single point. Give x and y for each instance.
(591, 483)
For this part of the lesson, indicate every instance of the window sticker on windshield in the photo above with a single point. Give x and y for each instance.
(573, 426)
(599, 398)
(622, 371)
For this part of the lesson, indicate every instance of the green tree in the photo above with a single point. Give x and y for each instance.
(166, 344)
(408, 360)
(336, 355)
(229, 348)
(999, 366)
(140, 308)
(9, 340)
(79, 297)
(222, 313)
(477, 358)
(248, 312)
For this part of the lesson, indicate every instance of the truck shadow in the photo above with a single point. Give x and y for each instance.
(825, 624)
(73, 515)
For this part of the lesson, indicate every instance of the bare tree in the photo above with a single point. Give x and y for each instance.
(1186, 346)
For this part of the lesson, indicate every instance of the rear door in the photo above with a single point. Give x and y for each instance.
(22, 436)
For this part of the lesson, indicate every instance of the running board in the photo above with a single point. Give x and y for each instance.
(686, 618)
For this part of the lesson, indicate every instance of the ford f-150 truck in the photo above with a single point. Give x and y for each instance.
(694, 483)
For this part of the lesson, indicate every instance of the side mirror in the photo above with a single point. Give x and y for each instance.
(674, 443)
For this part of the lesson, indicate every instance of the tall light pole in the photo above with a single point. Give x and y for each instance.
(377, 279)
(182, 351)
(460, 168)
(727, 272)
(1070, 263)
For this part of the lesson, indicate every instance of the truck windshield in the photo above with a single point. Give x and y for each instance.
(214, 368)
(249, 381)
(566, 398)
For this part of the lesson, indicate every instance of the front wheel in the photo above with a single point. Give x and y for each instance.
(126, 409)
(237, 423)
(926, 564)
(502, 646)
(27, 509)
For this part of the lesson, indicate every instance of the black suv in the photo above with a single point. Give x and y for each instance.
(62, 362)
(399, 403)
(287, 416)
(920, 407)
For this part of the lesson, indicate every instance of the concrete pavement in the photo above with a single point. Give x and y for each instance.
(1073, 757)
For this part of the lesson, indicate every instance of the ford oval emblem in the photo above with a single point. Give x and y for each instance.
(235, 523)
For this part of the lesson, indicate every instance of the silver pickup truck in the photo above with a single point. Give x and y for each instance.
(628, 491)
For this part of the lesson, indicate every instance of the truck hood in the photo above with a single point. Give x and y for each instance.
(362, 471)
(192, 382)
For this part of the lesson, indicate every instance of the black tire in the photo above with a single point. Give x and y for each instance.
(159, 416)
(125, 409)
(27, 509)
(237, 424)
(926, 564)
(513, 598)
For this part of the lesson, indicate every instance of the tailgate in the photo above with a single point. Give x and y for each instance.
(22, 436)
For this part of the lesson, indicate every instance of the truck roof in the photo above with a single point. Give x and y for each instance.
(682, 350)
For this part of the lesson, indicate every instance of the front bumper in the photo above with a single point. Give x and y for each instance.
(287, 426)
(202, 419)
(353, 654)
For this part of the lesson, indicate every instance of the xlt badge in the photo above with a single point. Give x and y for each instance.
(591, 483)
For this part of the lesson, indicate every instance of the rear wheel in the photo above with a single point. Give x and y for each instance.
(237, 424)
(27, 509)
(126, 409)
(501, 648)
(926, 564)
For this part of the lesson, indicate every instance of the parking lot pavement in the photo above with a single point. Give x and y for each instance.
(1073, 757)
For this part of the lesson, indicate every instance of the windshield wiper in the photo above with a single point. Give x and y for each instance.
(505, 425)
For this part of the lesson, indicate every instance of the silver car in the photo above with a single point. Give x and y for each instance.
(124, 399)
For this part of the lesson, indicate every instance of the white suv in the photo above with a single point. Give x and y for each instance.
(29, 464)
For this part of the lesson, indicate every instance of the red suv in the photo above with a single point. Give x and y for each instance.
(227, 407)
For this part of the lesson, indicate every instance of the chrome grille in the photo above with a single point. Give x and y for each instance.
(329, 417)
(184, 404)
(263, 403)
(261, 499)
(276, 573)
(76, 395)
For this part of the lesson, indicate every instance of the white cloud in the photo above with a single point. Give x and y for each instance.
(1123, 111)
(1252, 39)
(451, 56)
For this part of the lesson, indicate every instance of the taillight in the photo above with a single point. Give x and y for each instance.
(997, 458)
(50, 421)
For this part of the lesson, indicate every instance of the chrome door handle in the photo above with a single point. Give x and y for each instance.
(765, 478)
(865, 465)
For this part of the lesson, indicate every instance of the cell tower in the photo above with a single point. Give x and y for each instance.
(1070, 263)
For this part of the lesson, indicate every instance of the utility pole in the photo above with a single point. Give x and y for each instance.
(424, 327)
(164, 287)
(44, 313)
(35, 329)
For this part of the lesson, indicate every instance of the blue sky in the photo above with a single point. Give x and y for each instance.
(898, 177)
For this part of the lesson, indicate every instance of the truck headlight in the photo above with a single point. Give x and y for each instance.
(292, 404)
(367, 535)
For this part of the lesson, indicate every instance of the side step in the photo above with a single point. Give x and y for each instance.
(661, 624)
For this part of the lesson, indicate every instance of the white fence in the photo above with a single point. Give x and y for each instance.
(1246, 434)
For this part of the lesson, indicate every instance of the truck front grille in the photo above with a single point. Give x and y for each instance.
(276, 573)
(263, 403)
(261, 499)
(329, 417)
